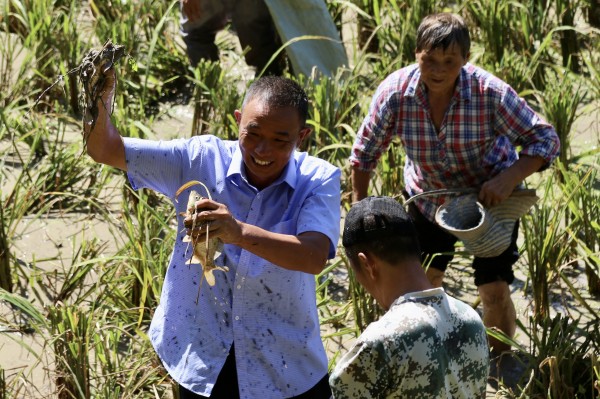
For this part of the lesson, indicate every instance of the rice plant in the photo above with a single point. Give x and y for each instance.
(365, 308)
(120, 22)
(333, 112)
(70, 327)
(216, 98)
(14, 62)
(569, 41)
(560, 102)
(492, 20)
(2, 384)
(332, 314)
(149, 238)
(562, 349)
(49, 30)
(547, 246)
(584, 208)
(5, 258)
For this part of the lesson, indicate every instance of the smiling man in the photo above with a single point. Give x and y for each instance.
(460, 128)
(255, 333)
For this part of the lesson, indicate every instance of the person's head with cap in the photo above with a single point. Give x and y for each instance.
(381, 244)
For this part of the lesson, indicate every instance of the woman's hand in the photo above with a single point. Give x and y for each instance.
(500, 187)
(497, 189)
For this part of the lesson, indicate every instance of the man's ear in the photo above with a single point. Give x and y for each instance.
(368, 265)
(304, 133)
(238, 116)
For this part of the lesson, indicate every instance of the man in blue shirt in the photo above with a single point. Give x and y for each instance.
(255, 333)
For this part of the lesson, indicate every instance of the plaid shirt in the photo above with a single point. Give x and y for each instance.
(485, 122)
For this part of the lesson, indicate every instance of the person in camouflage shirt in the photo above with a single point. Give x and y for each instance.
(428, 344)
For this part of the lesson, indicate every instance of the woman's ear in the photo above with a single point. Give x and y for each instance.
(467, 58)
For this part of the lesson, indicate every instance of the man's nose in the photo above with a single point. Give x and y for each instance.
(263, 146)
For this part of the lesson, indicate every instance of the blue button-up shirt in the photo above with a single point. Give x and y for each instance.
(269, 312)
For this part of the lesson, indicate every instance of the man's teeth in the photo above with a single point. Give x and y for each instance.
(262, 163)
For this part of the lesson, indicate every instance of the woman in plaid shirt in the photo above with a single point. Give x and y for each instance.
(460, 127)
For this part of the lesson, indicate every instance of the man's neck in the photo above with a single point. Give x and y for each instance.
(402, 279)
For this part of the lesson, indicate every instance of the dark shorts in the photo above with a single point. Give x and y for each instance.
(226, 386)
(438, 245)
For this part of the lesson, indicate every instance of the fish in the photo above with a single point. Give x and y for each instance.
(92, 76)
(204, 249)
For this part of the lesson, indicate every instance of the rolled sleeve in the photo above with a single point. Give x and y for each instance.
(548, 148)
(376, 132)
(526, 129)
(154, 164)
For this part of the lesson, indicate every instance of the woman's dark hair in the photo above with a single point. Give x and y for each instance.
(441, 31)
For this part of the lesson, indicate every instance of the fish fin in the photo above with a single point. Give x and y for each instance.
(210, 277)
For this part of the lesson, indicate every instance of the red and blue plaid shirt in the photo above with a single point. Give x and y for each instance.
(485, 122)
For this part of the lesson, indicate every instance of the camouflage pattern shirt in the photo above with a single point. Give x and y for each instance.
(428, 345)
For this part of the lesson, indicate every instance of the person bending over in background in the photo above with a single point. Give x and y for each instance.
(459, 127)
(306, 27)
(201, 20)
(428, 344)
(277, 211)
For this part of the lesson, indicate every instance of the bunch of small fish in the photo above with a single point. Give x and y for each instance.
(91, 74)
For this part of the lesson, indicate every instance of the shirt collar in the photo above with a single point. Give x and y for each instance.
(413, 83)
(464, 83)
(418, 294)
(236, 167)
